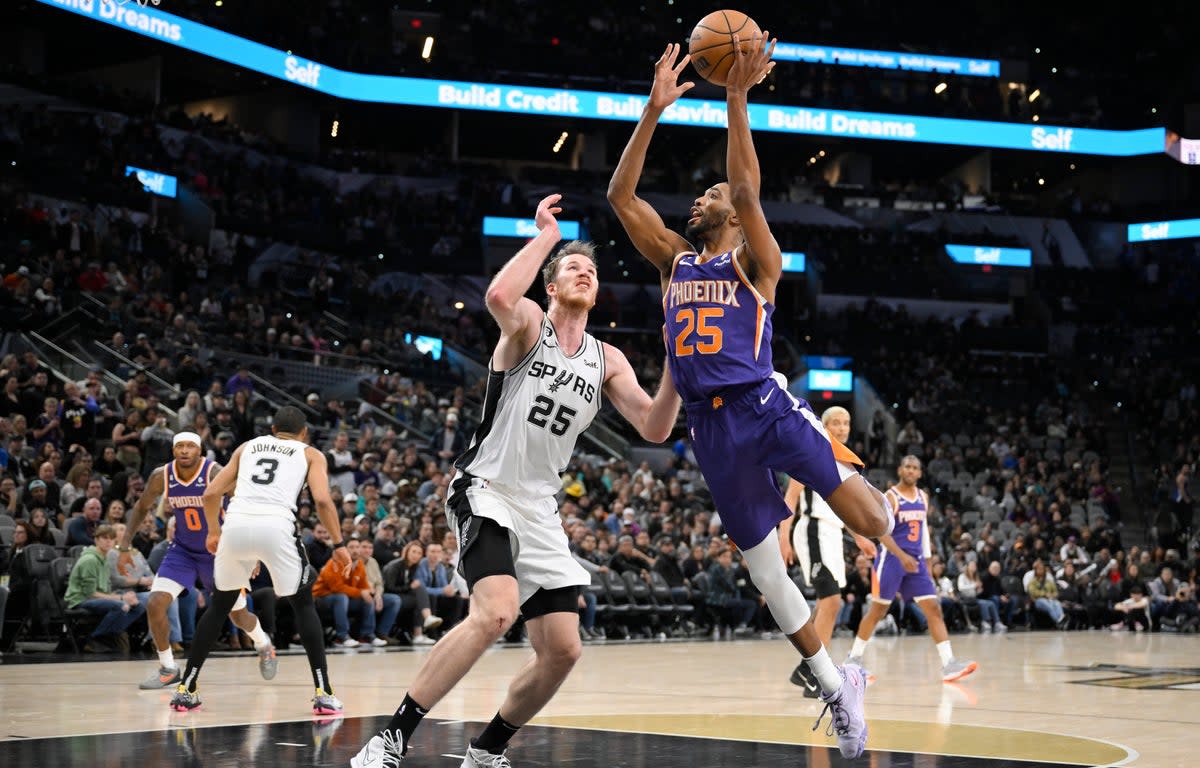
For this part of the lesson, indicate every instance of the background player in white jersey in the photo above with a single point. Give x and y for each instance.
(176, 488)
(813, 537)
(265, 477)
(545, 381)
(900, 569)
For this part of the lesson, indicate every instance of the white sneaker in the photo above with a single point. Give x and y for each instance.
(378, 642)
(422, 640)
(432, 622)
(384, 750)
(1001, 627)
(481, 758)
(985, 628)
(349, 642)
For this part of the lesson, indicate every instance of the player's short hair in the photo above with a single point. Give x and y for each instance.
(833, 410)
(912, 457)
(582, 247)
(289, 419)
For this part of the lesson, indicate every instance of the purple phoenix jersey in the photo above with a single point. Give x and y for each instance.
(911, 517)
(186, 501)
(718, 327)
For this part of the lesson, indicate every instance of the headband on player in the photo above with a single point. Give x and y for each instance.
(186, 437)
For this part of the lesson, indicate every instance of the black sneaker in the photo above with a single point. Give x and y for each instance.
(803, 677)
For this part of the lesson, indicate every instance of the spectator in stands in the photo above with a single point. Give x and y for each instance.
(668, 567)
(342, 595)
(75, 487)
(89, 588)
(21, 587)
(971, 594)
(725, 596)
(993, 590)
(1135, 610)
(400, 578)
(443, 592)
(342, 463)
(82, 529)
(319, 549)
(387, 547)
(1043, 591)
(629, 559)
(240, 382)
(1171, 600)
(386, 605)
(448, 442)
(127, 438)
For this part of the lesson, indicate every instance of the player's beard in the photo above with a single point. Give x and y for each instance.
(702, 231)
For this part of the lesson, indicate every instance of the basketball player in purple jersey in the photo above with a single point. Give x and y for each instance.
(900, 569)
(180, 486)
(744, 425)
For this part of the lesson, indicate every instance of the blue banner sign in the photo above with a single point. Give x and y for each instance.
(916, 62)
(793, 261)
(830, 381)
(426, 345)
(828, 361)
(1164, 230)
(985, 254)
(192, 36)
(155, 182)
(500, 226)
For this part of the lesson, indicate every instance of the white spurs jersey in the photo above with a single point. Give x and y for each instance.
(271, 474)
(533, 415)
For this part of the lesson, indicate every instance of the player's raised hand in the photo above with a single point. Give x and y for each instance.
(750, 66)
(546, 211)
(667, 88)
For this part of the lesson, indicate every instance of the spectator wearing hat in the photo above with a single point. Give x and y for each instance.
(448, 442)
(349, 506)
(368, 471)
(223, 447)
(387, 546)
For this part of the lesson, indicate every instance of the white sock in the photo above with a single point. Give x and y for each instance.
(826, 673)
(166, 659)
(859, 646)
(258, 636)
(945, 652)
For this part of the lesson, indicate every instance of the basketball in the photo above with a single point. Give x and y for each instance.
(711, 43)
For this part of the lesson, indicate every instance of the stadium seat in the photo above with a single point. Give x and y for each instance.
(77, 621)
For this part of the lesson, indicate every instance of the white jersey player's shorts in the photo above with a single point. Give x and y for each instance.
(818, 544)
(540, 550)
(247, 539)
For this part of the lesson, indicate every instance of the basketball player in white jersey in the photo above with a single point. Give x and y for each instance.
(177, 487)
(265, 477)
(545, 381)
(813, 538)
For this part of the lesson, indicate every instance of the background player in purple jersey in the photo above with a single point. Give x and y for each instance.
(178, 487)
(744, 425)
(900, 569)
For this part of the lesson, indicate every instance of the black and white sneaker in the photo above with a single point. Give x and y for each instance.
(481, 758)
(384, 750)
(804, 677)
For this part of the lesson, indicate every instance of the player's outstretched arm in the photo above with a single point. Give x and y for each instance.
(155, 488)
(642, 223)
(742, 162)
(654, 418)
(214, 494)
(520, 318)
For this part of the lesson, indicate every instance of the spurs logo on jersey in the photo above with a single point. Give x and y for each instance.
(271, 474)
(534, 413)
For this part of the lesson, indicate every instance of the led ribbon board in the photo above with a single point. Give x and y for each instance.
(793, 261)
(856, 57)
(154, 182)
(500, 226)
(1164, 230)
(996, 257)
(193, 36)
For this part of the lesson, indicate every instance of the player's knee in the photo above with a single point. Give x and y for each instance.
(496, 617)
(158, 604)
(564, 653)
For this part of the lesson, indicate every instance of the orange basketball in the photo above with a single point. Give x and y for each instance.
(711, 43)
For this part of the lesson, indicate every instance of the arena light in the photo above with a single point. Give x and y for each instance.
(333, 129)
(940, 88)
(1037, 92)
(427, 48)
(559, 144)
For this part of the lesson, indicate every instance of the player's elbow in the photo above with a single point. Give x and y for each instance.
(655, 433)
(499, 300)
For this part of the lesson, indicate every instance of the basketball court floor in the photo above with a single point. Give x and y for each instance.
(1038, 699)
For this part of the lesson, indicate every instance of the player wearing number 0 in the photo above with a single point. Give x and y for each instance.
(545, 381)
(265, 476)
(177, 488)
(900, 569)
(744, 424)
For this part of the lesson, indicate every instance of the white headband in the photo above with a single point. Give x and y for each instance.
(186, 437)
